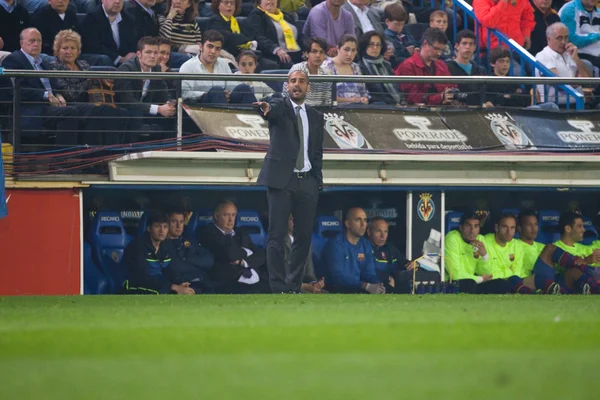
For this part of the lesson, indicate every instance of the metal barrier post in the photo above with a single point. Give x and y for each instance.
(179, 113)
(16, 132)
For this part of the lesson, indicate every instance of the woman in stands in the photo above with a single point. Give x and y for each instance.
(180, 27)
(237, 37)
(105, 123)
(343, 64)
(247, 62)
(372, 47)
(276, 34)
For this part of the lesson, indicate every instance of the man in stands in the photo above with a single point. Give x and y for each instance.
(37, 94)
(111, 32)
(389, 261)
(528, 228)
(439, 19)
(150, 261)
(426, 63)
(514, 18)
(365, 19)
(13, 19)
(144, 17)
(544, 16)
(463, 65)
(310, 283)
(239, 264)
(197, 261)
(319, 93)
(506, 258)
(561, 57)
(503, 94)
(145, 98)
(404, 44)
(349, 258)
(329, 21)
(581, 18)
(209, 62)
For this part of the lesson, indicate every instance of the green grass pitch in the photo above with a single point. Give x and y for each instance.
(300, 347)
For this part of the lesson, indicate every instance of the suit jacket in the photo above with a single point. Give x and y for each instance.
(280, 160)
(309, 268)
(145, 25)
(232, 40)
(32, 89)
(49, 23)
(227, 249)
(371, 14)
(98, 37)
(129, 91)
(265, 33)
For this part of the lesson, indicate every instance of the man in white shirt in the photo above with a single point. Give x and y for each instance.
(365, 19)
(560, 57)
(208, 62)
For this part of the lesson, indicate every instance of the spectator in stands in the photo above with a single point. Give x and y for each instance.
(528, 228)
(439, 19)
(502, 94)
(463, 65)
(350, 260)
(276, 34)
(247, 61)
(544, 16)
(37, 94)
(103, 123)
(582, 20)
(328, 20)
(310, 283)
(150, 260)
(372, 48)
(53, 18)
(343, 64)
(426, 63)
(208, 62)
(180, 27)
(562, 59)
(111, 32)
(404, 45)
(319, 93)
(514, 18)
(144, 17)
(389, 261)
(146, 98)
(365, 19)
(13, 19)
(223, 20)
(164, 53)
(239, 264)
(197, 261)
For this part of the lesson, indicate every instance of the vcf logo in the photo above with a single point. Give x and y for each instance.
(425, 207)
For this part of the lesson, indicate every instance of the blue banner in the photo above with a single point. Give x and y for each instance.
(3, 210)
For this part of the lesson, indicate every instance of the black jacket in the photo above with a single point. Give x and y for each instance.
(503, 95)
(232, 40)
(32, 89)
(542, 22)
(49, 23)
(280, 160)
(265, 33)
(129, 91)
(145, 25)
(472, 91)
(197, 259)
(98, 37)
(227, 249)
(11, 26)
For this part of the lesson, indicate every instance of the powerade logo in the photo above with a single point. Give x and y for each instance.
(255, 130)
(110, 219)
(585, 135)
(249, 219)
(330, 223)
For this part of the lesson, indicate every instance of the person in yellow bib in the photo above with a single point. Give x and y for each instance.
(237, 37)
(528, 228)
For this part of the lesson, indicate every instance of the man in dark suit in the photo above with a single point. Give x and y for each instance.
(145, 98)
(109, 31)
(239, 264)
(36, 93)
(53, 18)
(292, 173)
(365, 18)
(146, 20)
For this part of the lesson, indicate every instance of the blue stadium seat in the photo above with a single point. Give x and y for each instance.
(202, 23)
(590, 233)
(198, 220)
(327, 226)
(453, 220)
(276, 86)
(109, 240)
(249, 221)
(142, 224)
(416, 31)
(94, 281)
(548, 222)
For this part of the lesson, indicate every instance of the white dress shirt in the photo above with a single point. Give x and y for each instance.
(565, 67)
(363, 18)
(114, 27)
(304, 118)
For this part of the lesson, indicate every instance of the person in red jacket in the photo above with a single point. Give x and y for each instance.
(514, 18)
(426, 63)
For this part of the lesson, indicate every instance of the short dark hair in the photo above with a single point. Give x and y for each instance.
(214, 6)
(365, 39)
(162, 40)
(146, 41)
(212, 36)
(345, 39)
(221, 203)
(464, 34)
(567, 219)
(395, 12)
(175, 210)
(433, 35)
(505, 216)
(156, 217)
(471, 214)
(524, 214)
(437, 13)
(498, 53)
(315, 40)
(247, 53)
